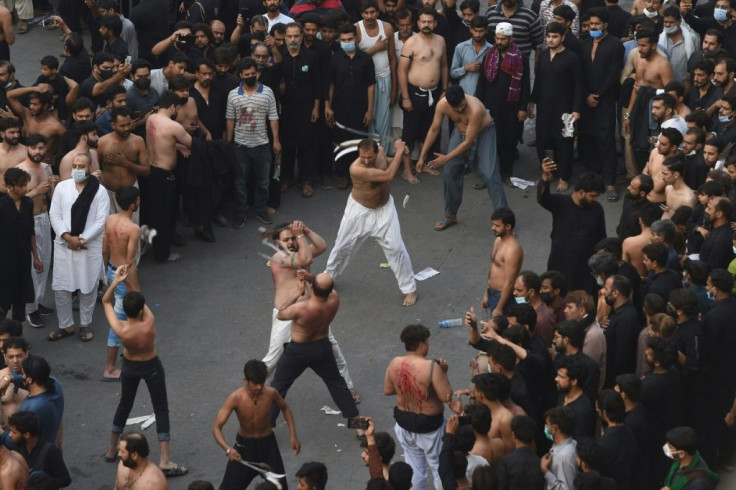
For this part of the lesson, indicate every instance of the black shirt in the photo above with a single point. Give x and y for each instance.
(86, 88)
(77, 67)
(686, 338)
(618, 452)
(118, 48)
(622, 335)
(351, 77)
(663, 284)
(52, 464)
(585, 416)
(212, 113)
(637, 421)
(694, 101)
(150, 18)
(628, 225)
(717, 249)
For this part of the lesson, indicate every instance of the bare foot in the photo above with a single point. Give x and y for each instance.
(175, 257)
(409, 177)
(430, 171)
(562, 185)
(410, 299)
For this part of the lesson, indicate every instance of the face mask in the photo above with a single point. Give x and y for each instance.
(142, 83)
(734, 248)
(725, 119)
(671, 30)
(79, 175)
(548, 434)
(8, 85)
(105, 74)
(347, 47)
(711, 296)
(599, 281)
(250, 81)
(668, 452)
(650, 13)
(720, 14)
(261, 66)
(595, 34)
(520, 300)
(609, 299)
(545, 297)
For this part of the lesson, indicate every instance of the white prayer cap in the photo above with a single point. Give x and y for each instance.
(505, 29)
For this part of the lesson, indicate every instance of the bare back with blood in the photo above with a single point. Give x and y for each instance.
(162, 137)
(410, 377)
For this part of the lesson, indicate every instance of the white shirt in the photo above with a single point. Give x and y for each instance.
(676, 122)
(280, 19)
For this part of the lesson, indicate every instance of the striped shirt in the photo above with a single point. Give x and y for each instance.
(546, 16)
(528, 33)
(250, 113)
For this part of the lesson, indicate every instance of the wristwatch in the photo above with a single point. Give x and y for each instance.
(627, 115)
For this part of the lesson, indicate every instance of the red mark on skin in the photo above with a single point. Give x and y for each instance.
(151, 129)
(407, 385)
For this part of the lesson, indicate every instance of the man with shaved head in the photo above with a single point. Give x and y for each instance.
(310, 345)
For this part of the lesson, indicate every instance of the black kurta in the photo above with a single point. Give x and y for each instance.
(351, 78)
(303, 82)
(16, 230)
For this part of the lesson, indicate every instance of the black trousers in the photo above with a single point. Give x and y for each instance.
(163, 204)
(72, 11)
(131, 374)
(598, 143)
(317, 355)
(261, 450)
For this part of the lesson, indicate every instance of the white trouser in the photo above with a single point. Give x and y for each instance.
(63, 301)
(42, 228)
(359, 223)
(23, 7)
(281, 334)
(421, 450)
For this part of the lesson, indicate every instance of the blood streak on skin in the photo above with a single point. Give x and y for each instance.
(406, 383)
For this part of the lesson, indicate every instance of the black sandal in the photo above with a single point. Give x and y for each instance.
(58, 334)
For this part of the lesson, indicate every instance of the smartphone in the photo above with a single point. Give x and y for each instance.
(245, 13)
(463, 420)
(128, 59)
(550, 154)
(358, 423)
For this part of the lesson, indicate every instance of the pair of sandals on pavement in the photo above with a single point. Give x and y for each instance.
(85, 334)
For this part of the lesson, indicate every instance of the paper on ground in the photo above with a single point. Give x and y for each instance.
(521, 183)
(138, 420)
(330, 411)
(425, 274)
(148, 423)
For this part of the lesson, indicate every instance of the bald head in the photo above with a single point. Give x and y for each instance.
(322, 285)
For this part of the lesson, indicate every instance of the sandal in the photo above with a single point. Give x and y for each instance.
(58, 334)
(85, 334)
(307, 190)
(175, 471)
(444, 224)
(613, 195)
(22, 27)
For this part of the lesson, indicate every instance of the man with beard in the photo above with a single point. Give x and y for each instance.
(569, 378)
(37, 118)
(40, 189)
(664, 113)
(218, 32)
(717, 250)
(164, 137)
(506, 260)
(568, 342)
(224, 81)
(623, 328)
(210, 101)
(141, 98)
(667, 144)
(703, 93)
(578, 223)
(653, 72)
(636, 198)
(41, 456)
(11, 153)
(140, 362)
(134, 470)
(423, 77)
(78, 213)
(87, 143)
(255, 441)
(274, 15)
(124, 158)
(504, 88)
(203, 40)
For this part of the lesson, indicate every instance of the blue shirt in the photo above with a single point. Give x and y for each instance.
(49, 408)
(465, 53)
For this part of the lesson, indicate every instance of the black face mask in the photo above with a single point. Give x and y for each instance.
(250, 81)
(545, 297)
(105, 74)
(142, 83)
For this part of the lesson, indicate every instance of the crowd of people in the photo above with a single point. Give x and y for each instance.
(611, 369)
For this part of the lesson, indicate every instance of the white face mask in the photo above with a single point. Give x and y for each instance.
(520, 300)
(650, 13)
(671, 30)
(599, 281)
(79, 175)
(667, 451)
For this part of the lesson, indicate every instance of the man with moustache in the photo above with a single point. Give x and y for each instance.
(37, 118)
(135, 470)
(40, 189)
(506, 260)
(703, 93)
(86, 132)
(210, 101)
(11, 153)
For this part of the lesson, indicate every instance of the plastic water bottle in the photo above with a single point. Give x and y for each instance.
(453, 322)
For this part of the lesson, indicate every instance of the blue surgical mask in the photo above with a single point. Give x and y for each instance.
(720, 14)
(548, 434)
(595, 34)
(347, 47)
(520, 300)
(711, 296)
(725, 119)
(79, 175)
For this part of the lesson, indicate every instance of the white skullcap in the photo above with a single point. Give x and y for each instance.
(505, 28)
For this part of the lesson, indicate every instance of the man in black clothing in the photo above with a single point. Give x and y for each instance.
(578, 223)
(150, 18)
(623, 328)
(300, 70)
(77, 64)
(520, 468)
(613, 246)
(618, 450)
(603, 58)
(568, 342)
(696, 170)
(618, 21)
(703, 93)
(224, 81)
(73, 11)
(662, 280)
(210, 101)
(111, 27)
(569, 377)
(717, 249)
(502, 360)
(564, 14)
(661, 394)
(588, 452)
(637, 421)
(718, 367)
(634, 200)
(41, 456)
(103, 77)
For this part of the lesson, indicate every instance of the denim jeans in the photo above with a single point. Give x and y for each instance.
(257, 160)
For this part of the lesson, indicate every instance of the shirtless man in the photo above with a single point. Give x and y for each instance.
(370, 212)
(488, 387)
(473, 125)
(423, 77)
(40, 189)
(15, 351)
(13, 470)
(490, 448)
(255, 442)
(310, 345)
(164, 138)
(124, 158)
(299, 247)
(11, 152)
(633, 245)
(135, 471)
(7, 35)
(87, 143)
(677, 192)
(422, 388)
(668, 142)
(506, 259)
(37, 118)
(140, 362)
(120, 247)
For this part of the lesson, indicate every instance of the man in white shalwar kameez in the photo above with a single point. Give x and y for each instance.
(78, 246)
